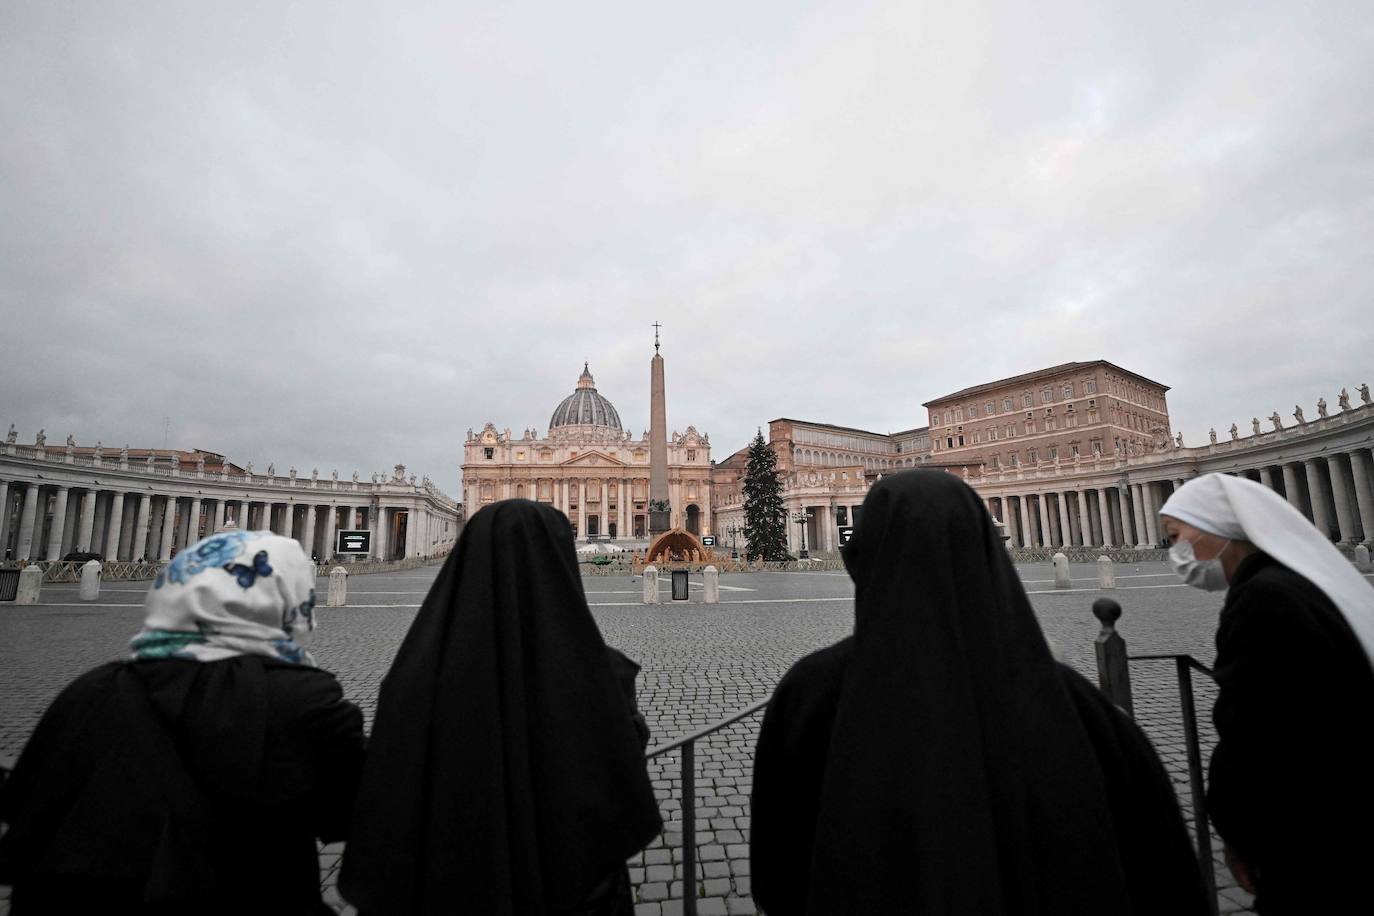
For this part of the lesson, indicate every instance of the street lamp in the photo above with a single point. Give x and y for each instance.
(801, 517)
(733, 530)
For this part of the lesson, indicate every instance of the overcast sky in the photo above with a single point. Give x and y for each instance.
(340, 234)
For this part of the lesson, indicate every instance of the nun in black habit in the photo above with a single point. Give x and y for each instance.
(505, 772)
(940, 761)
(196, 776)
(1295, 701)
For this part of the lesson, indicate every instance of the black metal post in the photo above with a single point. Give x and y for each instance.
(689, 830)
(1113, 668)
(1190, 737)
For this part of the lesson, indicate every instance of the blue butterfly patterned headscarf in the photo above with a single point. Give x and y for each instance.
(233, 593)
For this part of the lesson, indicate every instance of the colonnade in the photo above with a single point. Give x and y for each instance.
(45, 522)
(1334, 491)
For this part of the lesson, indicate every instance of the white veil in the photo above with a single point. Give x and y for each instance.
(1232, 507)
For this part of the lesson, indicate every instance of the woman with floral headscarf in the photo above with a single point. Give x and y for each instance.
(196, 775)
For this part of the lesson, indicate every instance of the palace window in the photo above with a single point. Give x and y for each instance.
(1011, 459)
(961, 440)
(1032, 456)
(1027, 399)
(1006, 403)
(988, 408)
(1046, 394)
(1097, 447)
(992, 434)
(1073, 451)
(995, 463)
(1068, 389)
(1090, 386)
(1052, 453)
(1069, 408)
(1049, 411)
(949, 417)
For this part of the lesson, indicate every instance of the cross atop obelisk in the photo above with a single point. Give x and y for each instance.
(660, 517)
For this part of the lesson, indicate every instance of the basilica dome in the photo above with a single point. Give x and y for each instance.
(584, 407)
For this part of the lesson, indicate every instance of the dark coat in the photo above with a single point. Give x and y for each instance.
(940, 761)
(182, 786)
(505, 773)
(1295, 717)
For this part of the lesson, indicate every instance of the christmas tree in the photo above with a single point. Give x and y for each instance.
(765, 518)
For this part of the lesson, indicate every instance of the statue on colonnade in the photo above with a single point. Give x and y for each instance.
(1344, 399)
(41, 439)
(1212, 434)
(1321, 407)
(1297, 415)
(11, 437)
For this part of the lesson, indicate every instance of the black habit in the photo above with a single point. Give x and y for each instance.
(1289, 787)
(179, 786)
(505, 773)
(940, 761)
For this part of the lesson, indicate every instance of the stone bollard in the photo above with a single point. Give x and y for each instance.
(1362, 559)
(1061, 571)
(651, 585)
(30, 585)
(710, 577)
(1106, 573)
(338, 588)
(90, 580)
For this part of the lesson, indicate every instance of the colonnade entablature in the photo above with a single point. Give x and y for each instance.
(64, 500)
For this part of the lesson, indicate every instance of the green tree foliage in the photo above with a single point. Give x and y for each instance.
(765, 518)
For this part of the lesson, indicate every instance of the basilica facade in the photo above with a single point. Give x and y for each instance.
(590, 468)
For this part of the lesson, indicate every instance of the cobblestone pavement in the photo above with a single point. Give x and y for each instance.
(700, 663)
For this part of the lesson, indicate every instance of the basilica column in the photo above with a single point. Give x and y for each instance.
(138, 550)
(1340, 493)
(1104, 516)
(169, 515)
(1316, 491)
(1364, 498)
(29, 522)
(116, 529)
(581, 510)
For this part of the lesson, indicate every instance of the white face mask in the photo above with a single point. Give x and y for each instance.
(1204, 574)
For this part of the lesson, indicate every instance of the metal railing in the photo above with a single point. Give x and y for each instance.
(1114, 677)
(687, 767)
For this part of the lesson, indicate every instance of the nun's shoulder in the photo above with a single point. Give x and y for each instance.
(820, 670)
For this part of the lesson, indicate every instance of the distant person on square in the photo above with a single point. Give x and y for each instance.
(1289, 778)
(196, 776)
(506, 770)
(940, 761)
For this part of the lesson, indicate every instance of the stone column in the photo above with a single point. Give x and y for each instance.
(1267, 477)
(116, 526)
(1364, 498)
(1042, 509)
(412, 534)
(29, 524)
(1138, 515)
(581, 510)
(4, 517)
(1065, 528)
(827, 529)
(1104, 516)
(139, 548)
(169, 513)
(59, 519)
(1023, 519)
(381, 531)
(219, 514)
(331, 528)
(1151, 512)
(194, 528)
(1085, 524)
(87, 526)
(69, 522)
(1290, 487)
(1316, 491)
(1123, 515)
(1340, 493)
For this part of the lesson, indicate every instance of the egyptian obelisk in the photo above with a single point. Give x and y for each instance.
(659, 514)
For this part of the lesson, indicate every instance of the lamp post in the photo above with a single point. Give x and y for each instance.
(733, 530)
(801, 516)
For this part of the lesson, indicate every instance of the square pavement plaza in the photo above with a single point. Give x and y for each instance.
(700, 663)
